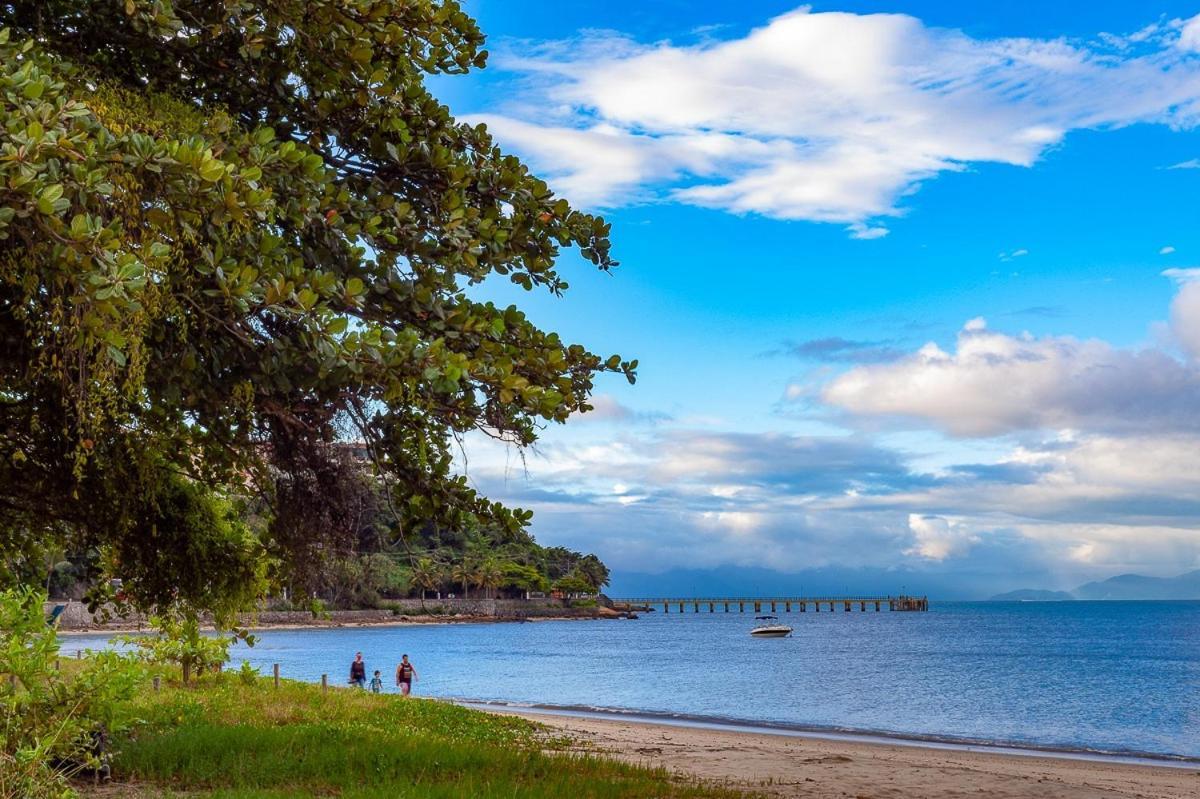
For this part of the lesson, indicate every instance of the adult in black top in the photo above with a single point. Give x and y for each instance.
(358, 671)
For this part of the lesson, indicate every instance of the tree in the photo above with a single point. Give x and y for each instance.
(426, 575)
(593, 570)
(520, 577)
(233, 233)
(463, 573)
(573, 584)
(490, 575)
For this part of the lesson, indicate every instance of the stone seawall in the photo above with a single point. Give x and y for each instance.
(77, 617)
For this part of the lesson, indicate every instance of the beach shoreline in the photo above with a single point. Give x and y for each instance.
(788, 763)
(1010, 748)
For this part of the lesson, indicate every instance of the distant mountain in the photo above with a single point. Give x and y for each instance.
(937, 585)
(1033, 595)
(1137, 586)
(1123, 586)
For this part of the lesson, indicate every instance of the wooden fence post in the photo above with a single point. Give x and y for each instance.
(324, 683)
(157, 683)
(275, 668)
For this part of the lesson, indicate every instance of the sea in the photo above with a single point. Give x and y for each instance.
(1116, 678)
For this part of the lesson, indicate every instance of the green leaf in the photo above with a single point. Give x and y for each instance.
(212, 170)
(51, 192)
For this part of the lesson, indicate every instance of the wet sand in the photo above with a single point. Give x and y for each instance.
(818, 768)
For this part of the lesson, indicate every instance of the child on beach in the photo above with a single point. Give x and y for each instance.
(376, 683)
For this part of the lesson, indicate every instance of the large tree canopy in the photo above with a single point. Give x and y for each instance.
(233, 231)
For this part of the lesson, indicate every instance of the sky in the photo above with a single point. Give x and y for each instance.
(914, 286)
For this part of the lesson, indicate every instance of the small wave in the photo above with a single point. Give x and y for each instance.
(999, 745)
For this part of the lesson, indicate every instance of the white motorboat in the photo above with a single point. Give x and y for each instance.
(770, 628)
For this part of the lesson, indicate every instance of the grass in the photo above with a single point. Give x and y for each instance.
(231, 740)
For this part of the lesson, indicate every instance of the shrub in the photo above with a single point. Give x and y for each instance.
(247, 673)
(52, 726)
(180, 641)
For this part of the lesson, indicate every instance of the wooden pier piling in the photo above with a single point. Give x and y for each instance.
(895, 604)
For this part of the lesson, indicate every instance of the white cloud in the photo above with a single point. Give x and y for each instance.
(1166, 250)
(867, 232)
(699, 499)
(1018, 253)
(939, 538)
(1189, 35)
(1185, 310)
(1191, 163)
(829, 117)
(995, 383)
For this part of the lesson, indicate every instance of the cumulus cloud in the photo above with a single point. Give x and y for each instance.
(1167, 250)
(829, 117)
(938, 538)
(994, 383)
(1080, 507)
(1185, 310)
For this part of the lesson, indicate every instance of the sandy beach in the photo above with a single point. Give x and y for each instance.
(816, 768)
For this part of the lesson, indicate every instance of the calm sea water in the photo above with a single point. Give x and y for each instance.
(1103, 676)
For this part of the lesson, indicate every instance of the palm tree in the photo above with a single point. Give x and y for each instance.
(426, 575)
(464, 574)
(490, 575)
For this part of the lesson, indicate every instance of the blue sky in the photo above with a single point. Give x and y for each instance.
(909, 282)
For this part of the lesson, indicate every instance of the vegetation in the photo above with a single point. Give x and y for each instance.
(234, 234)
(232, 734)
(52, 725)
(233, 740)
(178, 640)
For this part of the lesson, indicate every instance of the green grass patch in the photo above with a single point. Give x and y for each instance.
(236, 741)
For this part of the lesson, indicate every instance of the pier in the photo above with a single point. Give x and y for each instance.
(830, 604)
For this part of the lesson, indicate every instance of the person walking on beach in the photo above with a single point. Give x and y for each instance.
(376, 683)
(358, 671)
(405, 674)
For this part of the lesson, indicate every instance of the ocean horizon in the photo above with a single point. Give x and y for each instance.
(1106, 677)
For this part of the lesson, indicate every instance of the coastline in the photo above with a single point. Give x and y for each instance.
(120, 628)
(787, 763)
(1008, 748)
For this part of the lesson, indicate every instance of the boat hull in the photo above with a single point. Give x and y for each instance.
(771, 632)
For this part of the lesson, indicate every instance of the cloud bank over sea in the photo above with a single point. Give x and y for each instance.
(1095, 470)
